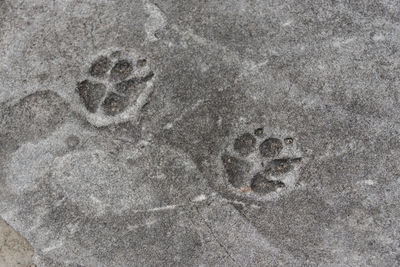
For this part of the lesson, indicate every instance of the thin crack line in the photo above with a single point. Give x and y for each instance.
(214, 236)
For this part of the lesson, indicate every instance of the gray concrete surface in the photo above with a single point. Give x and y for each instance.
(201, 133)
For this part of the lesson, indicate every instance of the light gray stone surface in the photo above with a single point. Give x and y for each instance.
(201, 133)
(15, 250)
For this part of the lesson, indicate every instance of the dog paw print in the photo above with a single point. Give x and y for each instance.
(115, 87)
(257, 164)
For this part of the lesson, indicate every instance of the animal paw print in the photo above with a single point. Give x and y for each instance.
(117, 85)
(257, 164)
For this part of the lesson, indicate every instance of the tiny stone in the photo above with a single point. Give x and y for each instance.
(289, 141)
(259, 131)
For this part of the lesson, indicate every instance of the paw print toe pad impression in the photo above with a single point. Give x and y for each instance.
(121, 70)
(271, 147)
(126, 87)
(261, 184)
(281, 166)
(100, 67)
(236, 170)
(91, 94)
(245, 143)
(114, 104)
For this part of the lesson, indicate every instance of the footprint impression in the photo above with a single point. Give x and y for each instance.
(116, 87)
(259, 166)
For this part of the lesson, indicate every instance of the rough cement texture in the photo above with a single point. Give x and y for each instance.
(15, 251)
(201, 133)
